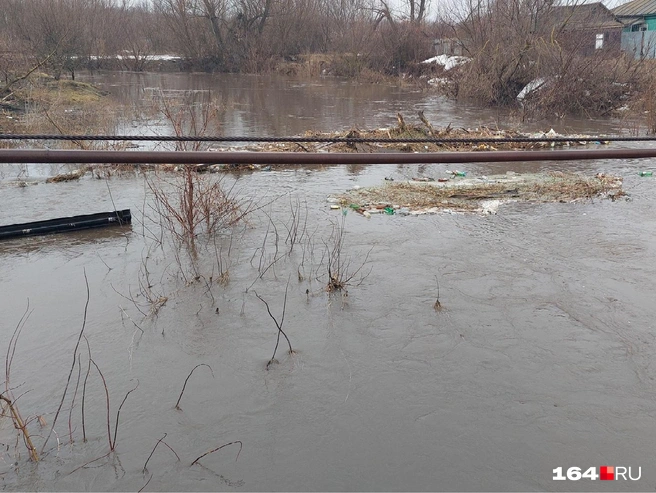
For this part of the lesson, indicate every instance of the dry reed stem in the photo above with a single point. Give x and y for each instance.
(161, 440)
(144, 486)
(437, 306)
(118, 414)
(19, 424)
(219, 448)
(70, 373)
(278, 324)
(84, 389)
(11, 349)
(77, 386)
(89, 462)
(109, 429)
(16, 417)
(177, 404)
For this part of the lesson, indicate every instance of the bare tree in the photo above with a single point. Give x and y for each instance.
(197, 25)
(513, 42)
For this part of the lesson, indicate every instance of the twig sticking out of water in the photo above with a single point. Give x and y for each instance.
(109, 429)
(70, 373)
(144, 486)
(177, 404)
(84, 390)
(7, 396)
(161, 440)
(219, 448)
(22, 426)
(118, 413)
(278, 325)
(437, 305)
(77, 386)
(88, 462)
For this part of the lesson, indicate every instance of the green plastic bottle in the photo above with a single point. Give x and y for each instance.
(645, 173)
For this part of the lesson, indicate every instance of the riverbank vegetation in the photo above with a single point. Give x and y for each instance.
(543, 58)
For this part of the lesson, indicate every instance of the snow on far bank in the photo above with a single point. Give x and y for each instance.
(530, 87)
(448, 62)
(438, 81)
(154, 58)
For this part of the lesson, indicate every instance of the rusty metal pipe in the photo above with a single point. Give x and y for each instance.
(298, 158)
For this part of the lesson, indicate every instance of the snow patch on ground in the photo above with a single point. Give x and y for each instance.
(448, 62)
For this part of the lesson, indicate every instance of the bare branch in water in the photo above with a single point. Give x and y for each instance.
(219, 448)
(161, 440)
(278, 324)
(177, 404)
(70, 373)
(118, 413)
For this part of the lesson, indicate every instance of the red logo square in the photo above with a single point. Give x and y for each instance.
(607, 473)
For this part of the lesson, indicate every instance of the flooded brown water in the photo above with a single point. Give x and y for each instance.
(542, 356)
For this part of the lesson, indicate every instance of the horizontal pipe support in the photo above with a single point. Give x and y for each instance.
(308, 158)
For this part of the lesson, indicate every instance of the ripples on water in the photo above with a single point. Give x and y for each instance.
(542, 356)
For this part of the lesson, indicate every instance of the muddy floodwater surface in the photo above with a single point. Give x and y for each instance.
(542, 355)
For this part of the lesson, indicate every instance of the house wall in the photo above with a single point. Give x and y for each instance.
(448, 46)
(641, 43)
(651, 22)
(584, 41)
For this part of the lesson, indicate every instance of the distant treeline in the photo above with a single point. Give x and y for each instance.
(213, 35)
(506, 44)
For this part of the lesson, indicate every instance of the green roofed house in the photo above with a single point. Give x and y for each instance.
(639, 33)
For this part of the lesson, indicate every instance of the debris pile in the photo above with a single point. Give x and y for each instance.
(483, 194)
(421, 130)
(70, 176)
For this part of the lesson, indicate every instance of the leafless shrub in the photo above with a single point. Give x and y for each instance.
(190, 113)
(639, 113)
(222, 264)
(297, 221)
(341, 271)
(268, 258)
(586, 85)
(154, 300)
(195, 204)
(511, 43)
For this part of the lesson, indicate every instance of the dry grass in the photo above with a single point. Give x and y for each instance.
(48, 106)
(71, 176)
(45, 89)
(467, 195)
